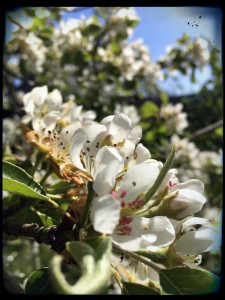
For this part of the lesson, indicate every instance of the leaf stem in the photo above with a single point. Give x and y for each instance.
(60, 209)
(87, 205)
(47, 174)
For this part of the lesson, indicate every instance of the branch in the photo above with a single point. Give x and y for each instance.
(16, 23)
(206, 129)
(40, 234)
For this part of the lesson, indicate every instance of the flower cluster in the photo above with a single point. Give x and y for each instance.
(122, 172)
(109, 154)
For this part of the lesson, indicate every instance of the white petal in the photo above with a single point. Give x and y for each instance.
(35, 98)
(170, 174)
(108, 164)
(119, 127)
(188, 202)
(39, 95)
(90, 115)
(76, 113)
(127, 150)
(95, 136)
(76, 145)
(66, 134)
(37, 124)
(137, 180)
(195, 242)
(135, 134)
(28, 103)
(107, 121)
(50, 120)
(105, 214)
(54, 100)
(147, 233)
(194, 221)
(141, 154)
(192, 184)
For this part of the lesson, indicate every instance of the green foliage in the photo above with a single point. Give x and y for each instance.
(185, 281)
(94, 264)
(137, 289)
(149, 109)
(39, 282)
(16, 180)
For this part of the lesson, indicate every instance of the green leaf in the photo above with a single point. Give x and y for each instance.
(60, 187)
(164, 97)
(16, 180)
(219, 131)
(185, 281)
(137, 289)
(46, 220)
(78, 250)
(39, 282)
(149, 109)
(95, 267)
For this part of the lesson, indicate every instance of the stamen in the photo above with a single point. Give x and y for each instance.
(123, 194)
(126, 230)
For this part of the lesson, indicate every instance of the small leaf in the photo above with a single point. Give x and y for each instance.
(185, 281)
(137, 289)
(95, 268)
(149, 109)
(79, 249)
(39, 282)
(16, 180)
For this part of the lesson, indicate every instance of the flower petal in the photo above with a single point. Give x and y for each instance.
(50, 120)
(141, 154)
(188, 202)
(196, 242)
(108, 163)
(95, 136)
(35, 98)
(137, 180)
(66, 134)
(105, 214)
(135, 134)
(119, 128)
(147, 233)
(192, 184)
(76, 145)
(54, 100)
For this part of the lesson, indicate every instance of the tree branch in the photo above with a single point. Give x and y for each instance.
(40, 234)
(206, 129)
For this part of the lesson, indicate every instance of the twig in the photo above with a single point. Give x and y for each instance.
(40, 234)
(206, 129)
(16, 23)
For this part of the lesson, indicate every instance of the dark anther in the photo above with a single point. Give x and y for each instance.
(134, 183)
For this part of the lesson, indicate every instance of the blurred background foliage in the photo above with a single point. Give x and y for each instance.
(91, 62)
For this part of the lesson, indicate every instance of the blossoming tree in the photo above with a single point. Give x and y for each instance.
(101, 214)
